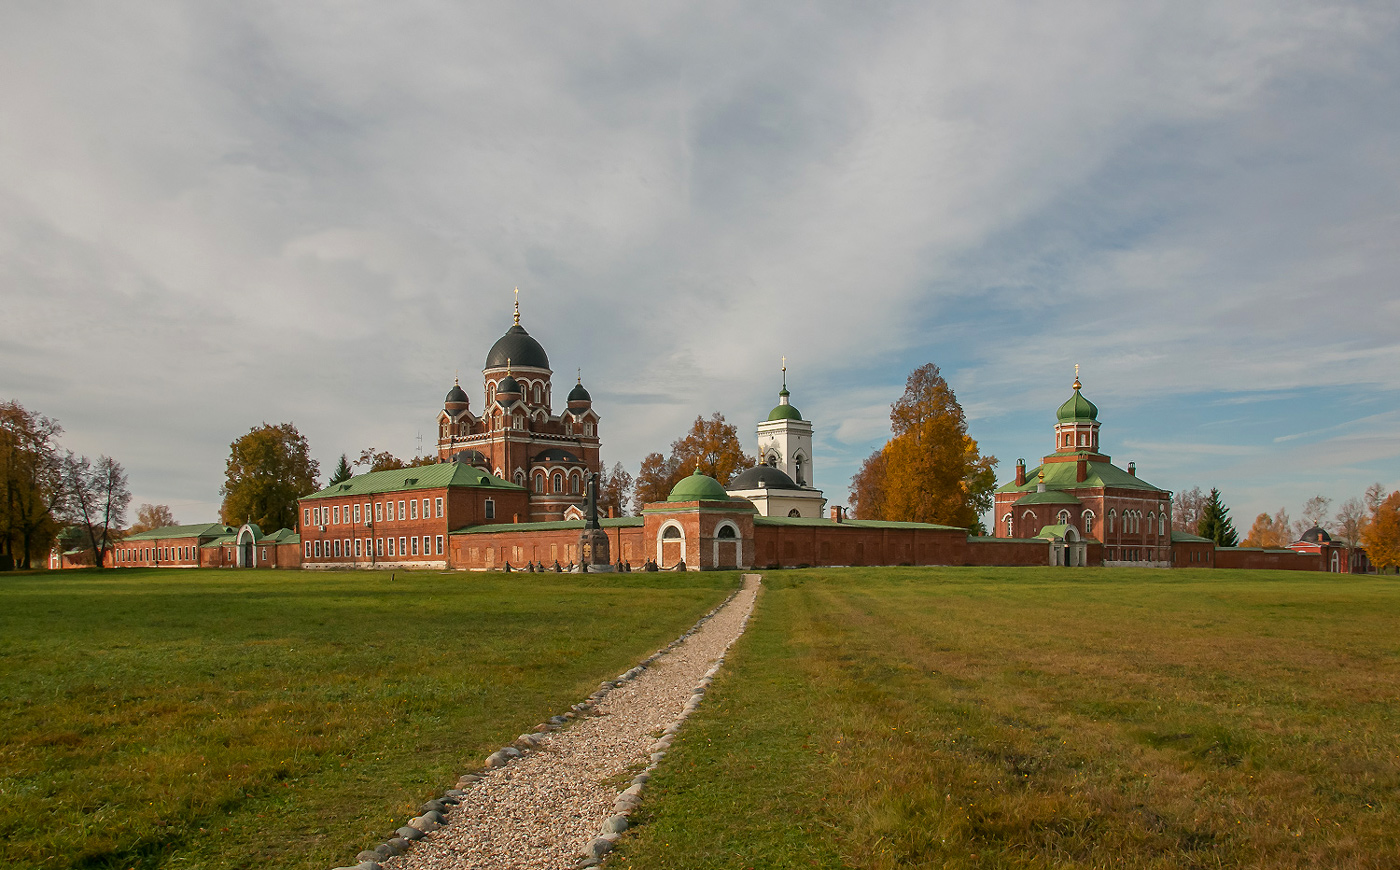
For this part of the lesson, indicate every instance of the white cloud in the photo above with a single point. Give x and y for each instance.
(317, 211)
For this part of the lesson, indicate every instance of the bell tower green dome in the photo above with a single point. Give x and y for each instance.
(1078, 408)
(698, 487)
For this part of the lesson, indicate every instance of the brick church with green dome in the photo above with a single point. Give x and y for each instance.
(1078, 495)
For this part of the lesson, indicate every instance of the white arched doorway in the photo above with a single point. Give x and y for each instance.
(670, 545)
(244, 549)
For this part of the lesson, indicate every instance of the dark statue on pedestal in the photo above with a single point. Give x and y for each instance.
(593, 541)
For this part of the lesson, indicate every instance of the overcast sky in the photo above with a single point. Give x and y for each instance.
(218, 214)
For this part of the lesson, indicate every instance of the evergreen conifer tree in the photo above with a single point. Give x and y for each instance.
(342, 472)
(1215, 522)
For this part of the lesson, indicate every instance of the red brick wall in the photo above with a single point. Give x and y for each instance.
(519, 546)
(1283, 560)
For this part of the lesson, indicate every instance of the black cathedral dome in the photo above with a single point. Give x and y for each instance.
(762, 476)
(517, 348)
(1317, 535)
(456, 394)
(579, 394)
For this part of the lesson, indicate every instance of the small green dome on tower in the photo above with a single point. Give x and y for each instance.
(1078, 407)
(698, 487)
(783, 410)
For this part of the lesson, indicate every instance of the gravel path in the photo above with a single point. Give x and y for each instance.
(542, 811)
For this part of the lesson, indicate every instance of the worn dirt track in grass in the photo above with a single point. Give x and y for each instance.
(538, 812)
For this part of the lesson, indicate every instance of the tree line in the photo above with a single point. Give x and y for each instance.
(1371, 521)
(52, 495)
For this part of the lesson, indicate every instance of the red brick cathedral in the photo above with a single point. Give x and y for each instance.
(517, 436)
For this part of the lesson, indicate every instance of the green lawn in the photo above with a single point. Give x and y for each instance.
(229, 719)
(957, 718)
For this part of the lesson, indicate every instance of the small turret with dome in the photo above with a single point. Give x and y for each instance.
(579, 399)
(784, 409)
(1077, 423)
(456, 401)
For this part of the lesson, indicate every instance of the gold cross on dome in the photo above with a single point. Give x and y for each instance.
(517, 306)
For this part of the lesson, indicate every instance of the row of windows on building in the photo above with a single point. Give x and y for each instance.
(529, 389)
(333, 515)
(362, 548)
(1131, 522)
(155, 554)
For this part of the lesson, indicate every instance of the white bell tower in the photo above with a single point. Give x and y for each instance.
(785, 439)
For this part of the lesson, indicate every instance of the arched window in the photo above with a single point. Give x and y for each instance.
(1088, 522)
(1063, 518)
(537, 394)
(671, 533)
(1151, 521)
(1007, 520)
(801, 473)
(1112, 515)
(772, 460)
(726, 532)
(558, 482)
(539, 482)
(1161, 524)
(519, 478)
(573, 483)
(794, 513)
(490, 393)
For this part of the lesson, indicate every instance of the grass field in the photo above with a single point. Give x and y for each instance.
(1043, 718)
(269, 719)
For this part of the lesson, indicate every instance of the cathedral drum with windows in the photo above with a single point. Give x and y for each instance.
(1078, 492)
(518, 437)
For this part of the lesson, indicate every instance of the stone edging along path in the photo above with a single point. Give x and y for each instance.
(549, 801)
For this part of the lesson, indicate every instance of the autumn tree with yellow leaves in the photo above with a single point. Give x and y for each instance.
(931, 471)
(1381, 535)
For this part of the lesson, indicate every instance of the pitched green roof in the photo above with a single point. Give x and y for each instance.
(194, 531)
(1057, 531)
(1050, 496)
(1061, 475)
(554, 526)
(422, 477)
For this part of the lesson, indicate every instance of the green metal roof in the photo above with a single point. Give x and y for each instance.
(1061, 475)
(698, 487)
(860, 524)
(1188, 538)
(1078, 409)
(1050, 496)
(198, 530)
(555, 526)
(1058, 531)
(423, 477)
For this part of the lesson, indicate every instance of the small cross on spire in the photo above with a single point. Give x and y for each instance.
(517, 306)
(1076, 376)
